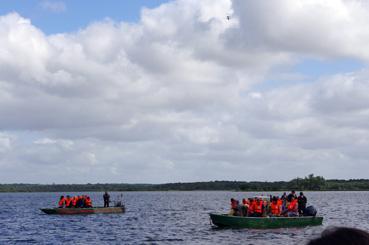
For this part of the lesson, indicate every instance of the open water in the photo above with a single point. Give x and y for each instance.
(164, 218)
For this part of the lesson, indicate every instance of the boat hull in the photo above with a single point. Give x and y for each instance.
(97, 210)
(225, 220)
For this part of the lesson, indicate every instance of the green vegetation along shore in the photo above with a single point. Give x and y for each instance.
(309, 183)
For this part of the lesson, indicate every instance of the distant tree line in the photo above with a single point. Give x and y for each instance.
(309, 183)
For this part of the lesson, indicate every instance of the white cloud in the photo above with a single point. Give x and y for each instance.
(172, 97)
(313, 28)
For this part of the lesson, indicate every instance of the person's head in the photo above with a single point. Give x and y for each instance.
(301, 193)
(293, 192)
(61, 197)
(341, 235)
(106, 192)
(68, 196)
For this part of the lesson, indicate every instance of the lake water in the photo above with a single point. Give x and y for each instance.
(164, 218)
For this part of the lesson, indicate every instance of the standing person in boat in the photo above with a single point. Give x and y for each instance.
(106, 197)
(292, 194)
(301, 200)
(61, 202)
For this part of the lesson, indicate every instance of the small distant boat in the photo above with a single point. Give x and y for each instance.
(94, 210)
(226, 220)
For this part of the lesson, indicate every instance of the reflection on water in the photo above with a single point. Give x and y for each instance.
(163, 218)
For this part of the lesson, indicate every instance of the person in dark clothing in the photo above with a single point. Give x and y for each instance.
(301, 200)
(292, 194)
(106, 197)
(341, 235)
(80, 202)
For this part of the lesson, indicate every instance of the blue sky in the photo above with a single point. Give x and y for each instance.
(308, 70)
(74, 15)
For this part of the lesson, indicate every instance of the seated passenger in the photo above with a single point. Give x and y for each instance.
(234, 207)
(68, 201)
(74, 202)
(250, 210)
(257, 208)
(88, 202)
(266, 205)
(292, 208)
(79, 203)
(61, 202)
(279, 201)
(275, 208)
(244, 207)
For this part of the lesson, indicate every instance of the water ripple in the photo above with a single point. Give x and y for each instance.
(163, 218)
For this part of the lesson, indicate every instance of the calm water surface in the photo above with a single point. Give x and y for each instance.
(164, 218)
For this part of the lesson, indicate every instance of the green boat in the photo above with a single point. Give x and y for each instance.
(226, 220)
(95, 210)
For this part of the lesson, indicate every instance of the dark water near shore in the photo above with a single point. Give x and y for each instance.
(164, 218)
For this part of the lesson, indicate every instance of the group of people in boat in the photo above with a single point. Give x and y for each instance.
(287, 205)
(82, 201)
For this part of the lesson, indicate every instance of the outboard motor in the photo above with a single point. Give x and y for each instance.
(310, 211)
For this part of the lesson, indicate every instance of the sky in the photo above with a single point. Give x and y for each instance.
(174, 91)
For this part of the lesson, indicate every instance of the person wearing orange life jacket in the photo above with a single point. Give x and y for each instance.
(275, 208)
(88, 202)
(250, 211)
(68, 201)
(279, 201)
(292, 208)
(74, 201)
(61, 202)
(258, 208)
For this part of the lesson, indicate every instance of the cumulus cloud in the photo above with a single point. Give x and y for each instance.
(313, 28)
(173, 97)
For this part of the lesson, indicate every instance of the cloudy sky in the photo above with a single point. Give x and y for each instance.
(168, 91)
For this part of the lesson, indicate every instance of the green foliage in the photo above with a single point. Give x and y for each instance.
(310, 182)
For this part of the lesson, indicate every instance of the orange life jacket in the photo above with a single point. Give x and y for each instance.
(275, 208)
(74, 201)
(258, 207)
(67, 201)
(61, 202)
(88, 202)
(280, 202)
(251, 207)
(292, 206)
